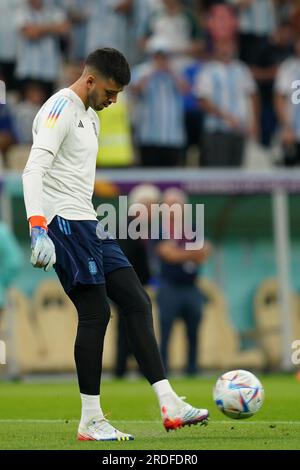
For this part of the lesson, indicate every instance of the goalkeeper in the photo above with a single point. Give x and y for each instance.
(58, 185)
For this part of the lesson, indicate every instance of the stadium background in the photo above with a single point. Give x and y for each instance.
(251, 282)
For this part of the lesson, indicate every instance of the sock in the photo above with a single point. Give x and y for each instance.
(90, 408)
(166, 396)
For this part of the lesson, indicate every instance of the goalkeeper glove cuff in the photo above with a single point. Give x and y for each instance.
(38, 221)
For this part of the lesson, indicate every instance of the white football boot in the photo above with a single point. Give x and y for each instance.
(182, 415)
(99, 429)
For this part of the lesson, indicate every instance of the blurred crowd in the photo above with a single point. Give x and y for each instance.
(210, 79)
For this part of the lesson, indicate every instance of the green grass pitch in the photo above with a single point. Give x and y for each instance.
(45, 416)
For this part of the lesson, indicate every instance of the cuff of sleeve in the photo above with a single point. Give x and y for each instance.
(38, 221)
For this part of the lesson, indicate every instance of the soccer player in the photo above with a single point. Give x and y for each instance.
(58, 186)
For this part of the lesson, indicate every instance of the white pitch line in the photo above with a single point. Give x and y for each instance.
(211, 422)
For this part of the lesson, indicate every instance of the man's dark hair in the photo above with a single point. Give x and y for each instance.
(111, 64)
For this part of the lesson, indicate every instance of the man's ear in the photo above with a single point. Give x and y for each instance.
(90, 80)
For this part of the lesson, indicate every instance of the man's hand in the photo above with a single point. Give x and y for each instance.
(42, 249)
(234, 123)
(253, 131)
(32, 31)
(288, 136)
(201, 256)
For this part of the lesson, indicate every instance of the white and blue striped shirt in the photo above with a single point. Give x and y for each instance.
(258, 18)
(160, 118)
(77, 45)
(8, 29)
(105, 27)
(141, 11)
(38, 59)
(289, 72)
(228, 86)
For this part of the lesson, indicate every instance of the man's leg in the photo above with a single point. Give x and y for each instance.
(168, 304)
(93, 317)
(236, 144)
(192, 316)
(79, 266)
(123, 347)
(125, 289)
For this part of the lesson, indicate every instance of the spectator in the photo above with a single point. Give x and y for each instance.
(10, 261)
(222, 24)
(193, 115)
(115, 141)
(26, 110)
(288, 107)
(277, 49)
(8, 45)
(8, 135)
(38, 56)
(225, 88)
(257, 21)
(178, 294)
(258, 29)
(159, 124)
(77, 11)
(178, 28)
(141, 11)
(108, 24)
(138, 255)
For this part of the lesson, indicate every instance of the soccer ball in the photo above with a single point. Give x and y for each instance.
(238, 394)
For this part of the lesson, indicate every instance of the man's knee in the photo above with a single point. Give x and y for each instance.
(91, 305)
(94, 316)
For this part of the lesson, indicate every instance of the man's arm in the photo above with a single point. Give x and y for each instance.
(169, 252)
(36, 31)
(57, 26)
(38, 163)
(49, 133)
(282, 90)
(281, 110)
(288, 135)
(255, 112)
(43, 251)
(210, 108)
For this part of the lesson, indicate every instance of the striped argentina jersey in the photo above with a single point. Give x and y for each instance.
(228, 87)
(40, 58)
(105, 26)
(8, 30)
(289, 72)
(159, 118)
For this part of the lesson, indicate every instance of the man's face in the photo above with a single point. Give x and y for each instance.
(222, 23)
(102, 92)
